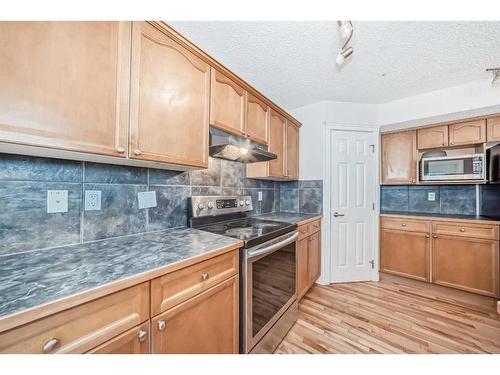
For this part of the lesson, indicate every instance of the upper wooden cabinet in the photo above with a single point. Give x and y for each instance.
(257, 119)
(434, 137)
(277, 134)
(467, 133)
(399, 158)
(292, 151)
(493, 129)
(227, 109)
(170, 93)
(65, 85)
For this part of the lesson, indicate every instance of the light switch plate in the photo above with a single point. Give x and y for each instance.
(146, 199)
(431, 196)
(92, 200)
(57, 201)
(259, 196)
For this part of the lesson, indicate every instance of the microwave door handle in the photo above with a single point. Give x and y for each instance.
(273, 247)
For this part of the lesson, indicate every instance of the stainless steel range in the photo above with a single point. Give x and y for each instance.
(268, 297)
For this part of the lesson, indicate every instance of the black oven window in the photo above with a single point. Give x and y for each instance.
(273, 285)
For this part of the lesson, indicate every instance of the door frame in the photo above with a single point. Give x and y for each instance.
(326, 255)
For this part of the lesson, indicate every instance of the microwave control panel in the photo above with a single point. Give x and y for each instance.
(477, 165)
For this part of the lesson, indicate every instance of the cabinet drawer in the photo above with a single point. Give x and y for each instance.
(176, 287)
(134, 341)
(486, 231)
(305, 230)
(81, 328)
(411, 225)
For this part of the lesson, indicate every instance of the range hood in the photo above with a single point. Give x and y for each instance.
(230, 147)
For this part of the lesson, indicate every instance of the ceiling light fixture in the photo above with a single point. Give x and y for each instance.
(346, 30)
(496, 74)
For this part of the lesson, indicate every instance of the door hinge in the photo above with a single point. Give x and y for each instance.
(372, 262)
(373, 148)
(373, 206)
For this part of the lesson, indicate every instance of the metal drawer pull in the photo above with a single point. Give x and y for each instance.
(435, 236)
(120, 150)
(462, 230)
(161, 325)
(50, 345)
(143, 335)
(205, 276)
(403, 225)
(137, 152)
(427, 236)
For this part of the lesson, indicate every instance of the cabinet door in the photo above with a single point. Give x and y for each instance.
(170, 93)
(277, 129)
(257, 121)
(204, 324)
(467, 133)
(399, 159)
(292, 151)
(493, 129)
(134, 341)
(434, 137)
(405, 253)
(314, 258)
(227, 109)
(65, 85)
(466, 263)
(302, 267)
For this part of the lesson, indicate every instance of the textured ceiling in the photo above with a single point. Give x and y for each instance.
(293, 63)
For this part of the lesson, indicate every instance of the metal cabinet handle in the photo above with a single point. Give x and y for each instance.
(336, 214)
(143, 335)
(120, 150)
(427, 236)
(452, 143)
(137, 152)
(50, 345)
(243, 133)
(462, 230)
(435, 236)
(403, 225)
(248, 134)
(205, 276)
(161, 325)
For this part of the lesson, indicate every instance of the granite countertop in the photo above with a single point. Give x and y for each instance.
(288, 217)
(38, 277)
(449, 216)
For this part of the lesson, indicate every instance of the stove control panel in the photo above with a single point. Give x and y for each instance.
(219, 205)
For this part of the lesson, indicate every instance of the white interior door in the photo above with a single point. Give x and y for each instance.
(352, 205)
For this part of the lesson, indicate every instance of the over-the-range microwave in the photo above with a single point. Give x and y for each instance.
(445, 168)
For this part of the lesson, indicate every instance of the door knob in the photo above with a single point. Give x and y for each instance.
(161, 325)
(336, 214)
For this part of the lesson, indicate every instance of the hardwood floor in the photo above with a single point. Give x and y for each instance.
(394, 315)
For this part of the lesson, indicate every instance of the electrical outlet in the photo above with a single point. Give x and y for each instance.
(260, 196)
(431, 196)
(146, 199)
(92, 200)
(57, 201)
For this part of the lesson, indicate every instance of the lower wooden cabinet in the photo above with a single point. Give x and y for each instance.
(205, 324)
(308, 256)
(81, 328)
(457, 254)
(405, 253)
(134, 341)
(466, 263)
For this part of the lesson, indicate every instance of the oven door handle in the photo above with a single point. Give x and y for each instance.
(273, 247)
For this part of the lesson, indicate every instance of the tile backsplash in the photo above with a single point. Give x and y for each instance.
(448, 199)
(24, 181)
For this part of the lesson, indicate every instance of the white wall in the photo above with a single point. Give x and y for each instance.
(314, 117)
(471, 99)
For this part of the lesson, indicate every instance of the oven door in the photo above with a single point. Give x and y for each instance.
(269, 286)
